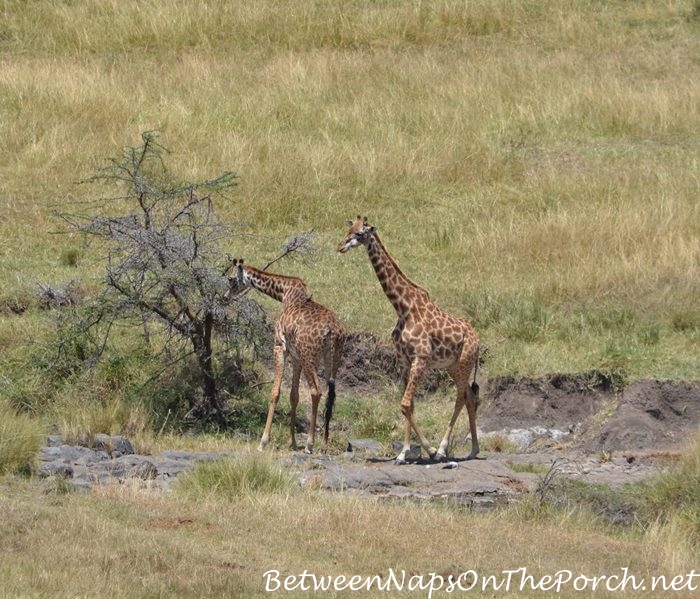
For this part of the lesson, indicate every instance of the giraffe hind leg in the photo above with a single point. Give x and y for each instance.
(465, 396)
(444, 444)
(472, 401)
(312, 380)
(294, 402)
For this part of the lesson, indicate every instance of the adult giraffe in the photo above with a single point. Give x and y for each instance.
(307, 333)
(425, 337)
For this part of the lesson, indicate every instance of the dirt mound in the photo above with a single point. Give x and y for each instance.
(595, 412)
(654, 415)
(366, 362)
(560, 401)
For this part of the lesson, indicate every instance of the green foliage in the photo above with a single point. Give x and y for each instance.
(540, 469)
(70, 257)
(232, 477)
(686, 320)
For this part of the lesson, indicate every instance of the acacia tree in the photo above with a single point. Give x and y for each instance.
(165, 263)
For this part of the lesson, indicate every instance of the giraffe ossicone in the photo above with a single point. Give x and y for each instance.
(424, 337)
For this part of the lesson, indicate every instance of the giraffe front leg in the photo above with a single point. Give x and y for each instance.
(274, 396)
(444, 444)
(414, 376)
(405, 367)
(401, 458)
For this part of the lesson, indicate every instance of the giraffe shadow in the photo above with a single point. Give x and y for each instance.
(425, 461)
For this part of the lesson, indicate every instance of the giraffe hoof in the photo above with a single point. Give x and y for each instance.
(439, 457)
(400, 461)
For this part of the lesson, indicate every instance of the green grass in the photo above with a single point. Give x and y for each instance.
(233, 477)
(20, 439)
(679, 488)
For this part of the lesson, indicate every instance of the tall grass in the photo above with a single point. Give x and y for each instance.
(20, 439)
(218, 546)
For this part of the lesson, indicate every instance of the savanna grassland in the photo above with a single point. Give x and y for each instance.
(535, 165)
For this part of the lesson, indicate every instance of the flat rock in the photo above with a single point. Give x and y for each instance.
(473, 483)
(112, 459)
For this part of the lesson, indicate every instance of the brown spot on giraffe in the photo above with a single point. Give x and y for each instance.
(424, 337)
(305, 332)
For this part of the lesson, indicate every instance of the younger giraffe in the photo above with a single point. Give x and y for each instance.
(306, 332)
(425, 337)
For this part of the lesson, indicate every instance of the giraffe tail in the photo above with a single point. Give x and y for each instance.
(475, 385)
(328, 412)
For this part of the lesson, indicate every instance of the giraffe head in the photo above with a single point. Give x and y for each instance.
(359, 234)
(238, 278)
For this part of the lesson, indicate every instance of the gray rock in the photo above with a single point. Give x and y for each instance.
(115, 446)
(412, 454)
(48, 469)
(478, 484)
(112, 459)
(131, 466)
(366, 447)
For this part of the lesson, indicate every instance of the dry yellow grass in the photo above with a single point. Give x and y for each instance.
(125, 542)
(545, 151)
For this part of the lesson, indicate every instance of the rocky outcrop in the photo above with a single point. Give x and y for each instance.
(363, 470)
(105, 459)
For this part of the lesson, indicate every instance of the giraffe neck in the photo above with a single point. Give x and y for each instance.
(398, 288)
(279, 287)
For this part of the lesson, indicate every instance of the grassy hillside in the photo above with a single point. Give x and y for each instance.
(533, 166)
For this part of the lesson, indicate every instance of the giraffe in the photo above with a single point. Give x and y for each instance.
(305, 332)
(424, 337)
